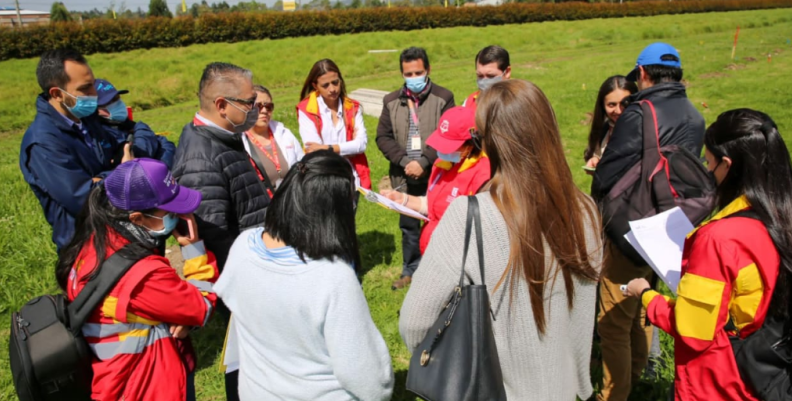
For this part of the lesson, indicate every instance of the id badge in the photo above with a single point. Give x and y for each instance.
(415, 143)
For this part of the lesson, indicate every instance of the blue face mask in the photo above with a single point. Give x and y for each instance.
(118, 111)
(454, 157)
(416, 84)
(169, 222)
(84, 107)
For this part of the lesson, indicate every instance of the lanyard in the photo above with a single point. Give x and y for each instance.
(272, 157)
(413, 107)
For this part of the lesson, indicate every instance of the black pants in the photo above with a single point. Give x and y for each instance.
(411, 234)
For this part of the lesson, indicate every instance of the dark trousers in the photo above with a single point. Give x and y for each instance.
(411, 234)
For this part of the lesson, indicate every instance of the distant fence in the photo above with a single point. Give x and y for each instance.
(107, 36)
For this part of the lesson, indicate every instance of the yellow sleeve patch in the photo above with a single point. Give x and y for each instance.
(698, 306)
(198, 269)
(746, 296)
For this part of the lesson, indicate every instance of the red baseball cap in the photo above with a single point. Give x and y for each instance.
(456, 126)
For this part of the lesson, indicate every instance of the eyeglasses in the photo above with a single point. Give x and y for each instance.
(247, 102)
(269, 106)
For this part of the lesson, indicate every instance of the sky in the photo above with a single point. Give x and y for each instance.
(85, 5)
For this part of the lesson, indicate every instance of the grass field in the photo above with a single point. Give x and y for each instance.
(568, 60)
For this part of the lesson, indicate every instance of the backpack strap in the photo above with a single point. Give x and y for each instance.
(653, 161)
(95, 291)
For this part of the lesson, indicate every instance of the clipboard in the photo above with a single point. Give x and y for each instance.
(378, 199)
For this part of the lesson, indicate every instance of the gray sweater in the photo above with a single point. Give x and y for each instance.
(554, 366)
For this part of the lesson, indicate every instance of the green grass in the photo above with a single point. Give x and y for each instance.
(568, 60)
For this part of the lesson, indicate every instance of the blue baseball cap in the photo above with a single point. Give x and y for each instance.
(655, 54)
(105, 91)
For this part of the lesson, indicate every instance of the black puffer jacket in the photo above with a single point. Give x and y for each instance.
(678, 121)
(216, 163)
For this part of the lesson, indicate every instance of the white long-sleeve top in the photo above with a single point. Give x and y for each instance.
(334, 134)
(304, 329)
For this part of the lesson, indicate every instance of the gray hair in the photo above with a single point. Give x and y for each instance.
(221, 79)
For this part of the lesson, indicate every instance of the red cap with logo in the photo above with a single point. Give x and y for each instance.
(456, 126)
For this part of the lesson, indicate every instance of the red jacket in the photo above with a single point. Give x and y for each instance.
(729, 269)
(310, 107)
(446, 183)
(471, 100)
(137, 359)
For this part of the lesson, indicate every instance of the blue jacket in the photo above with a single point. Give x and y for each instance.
(59, 165)
(147, 143)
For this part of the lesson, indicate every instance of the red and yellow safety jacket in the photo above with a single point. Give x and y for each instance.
(310, 106)
(447, 182)
(729, 270)
(136, 358)
(471, 100)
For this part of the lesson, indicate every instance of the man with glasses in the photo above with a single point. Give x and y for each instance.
(211, 158)
(409, 115)
(65, 152)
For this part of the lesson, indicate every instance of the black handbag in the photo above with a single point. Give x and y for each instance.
(458, 358)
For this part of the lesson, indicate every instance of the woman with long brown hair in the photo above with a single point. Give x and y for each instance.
(330, 120)
(542, 247)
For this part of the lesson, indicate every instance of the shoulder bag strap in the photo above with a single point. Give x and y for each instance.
(95, 291)
(472, 204)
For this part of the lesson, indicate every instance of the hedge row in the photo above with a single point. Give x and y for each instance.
(104, 36)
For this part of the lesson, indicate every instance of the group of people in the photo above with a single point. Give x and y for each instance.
(267, 229)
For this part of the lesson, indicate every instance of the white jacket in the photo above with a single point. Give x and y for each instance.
(287, 143)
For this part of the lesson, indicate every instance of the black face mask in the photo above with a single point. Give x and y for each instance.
(711, 175)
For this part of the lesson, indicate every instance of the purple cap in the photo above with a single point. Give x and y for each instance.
(143, 184)
(105, 91)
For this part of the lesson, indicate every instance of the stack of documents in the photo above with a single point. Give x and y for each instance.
(660, 239)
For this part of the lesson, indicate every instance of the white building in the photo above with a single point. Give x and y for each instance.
(8, 17)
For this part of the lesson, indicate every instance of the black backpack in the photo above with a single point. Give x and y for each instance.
(50, 359)
(666, 177)
(764, 358)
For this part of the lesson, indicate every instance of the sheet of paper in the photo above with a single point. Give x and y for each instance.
(231, 348)
(660, 239)
(389, 204)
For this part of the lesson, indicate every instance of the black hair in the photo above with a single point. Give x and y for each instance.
(662, 73)
(313, 211)
(262, 89)
(51, 69)
(97, 219)
(597, 132)
(760, 170)
(494, 54)
(411, 54)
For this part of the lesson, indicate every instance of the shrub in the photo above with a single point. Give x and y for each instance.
(105, 35)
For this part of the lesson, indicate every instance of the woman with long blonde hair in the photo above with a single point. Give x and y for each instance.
(542, 247)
